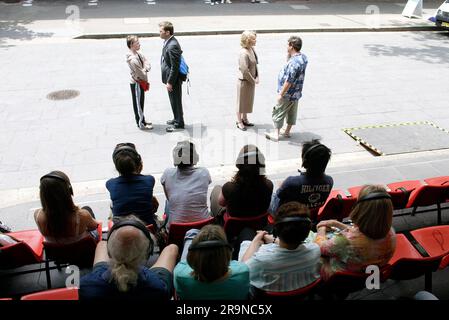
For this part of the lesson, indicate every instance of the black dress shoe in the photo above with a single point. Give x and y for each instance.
(171, 122)
(240, 128)
(247, 123)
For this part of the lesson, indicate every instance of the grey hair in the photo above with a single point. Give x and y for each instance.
(127, 255)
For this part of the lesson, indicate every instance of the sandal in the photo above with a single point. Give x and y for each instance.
(243, 128)
(247, 123)
(286, 135)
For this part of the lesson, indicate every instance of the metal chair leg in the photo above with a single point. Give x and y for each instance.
(47, 273)
(428, 281)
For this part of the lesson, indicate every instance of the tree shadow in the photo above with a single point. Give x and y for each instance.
(426, 53)
(16, 30)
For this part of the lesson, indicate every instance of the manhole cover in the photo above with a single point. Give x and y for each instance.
(63, 95)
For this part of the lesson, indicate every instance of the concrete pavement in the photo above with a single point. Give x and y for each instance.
(353, 79)
(114, 18)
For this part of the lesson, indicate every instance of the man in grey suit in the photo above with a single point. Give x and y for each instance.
(170, 60)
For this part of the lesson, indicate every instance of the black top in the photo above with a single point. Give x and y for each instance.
(247, 201)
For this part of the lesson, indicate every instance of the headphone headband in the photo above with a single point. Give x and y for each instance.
(374, 196)
(260, 160)
(293, 219)
(209, 244)
(135, 224)
(56, 176)
(314, 147)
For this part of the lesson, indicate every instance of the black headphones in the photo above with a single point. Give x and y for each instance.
(130, 147)
(58, 177)
(258, 156)
(374, 196)
(289, 219)
(306, 155)
(135, 224)
(210, 244)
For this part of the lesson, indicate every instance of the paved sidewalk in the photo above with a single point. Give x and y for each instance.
(74, 19)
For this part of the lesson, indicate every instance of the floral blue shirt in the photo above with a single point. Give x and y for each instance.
(293, 72)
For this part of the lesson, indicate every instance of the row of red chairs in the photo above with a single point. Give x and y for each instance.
(409, 194)
(421, 252)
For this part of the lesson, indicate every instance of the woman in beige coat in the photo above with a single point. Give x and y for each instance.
(247, 80)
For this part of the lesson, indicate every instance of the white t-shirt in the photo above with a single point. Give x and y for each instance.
(187, 193)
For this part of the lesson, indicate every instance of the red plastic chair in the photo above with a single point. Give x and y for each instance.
(424, 195)
(54, 294)
(439, 181)
(28, 250)
(399, 197)
(177, 231)
(338, 206)
(408, 263)
(298, 294)
(233, 225)
(435, 240)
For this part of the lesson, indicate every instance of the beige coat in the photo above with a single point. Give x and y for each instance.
(137, 69)
(246, 83)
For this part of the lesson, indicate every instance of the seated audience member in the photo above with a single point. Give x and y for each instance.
(131, 192)
(119, 270)
(185, 186)
(283, 261)
(60, 220)
(371, 239)
(311, 187)
(208, 273)
(249, 192)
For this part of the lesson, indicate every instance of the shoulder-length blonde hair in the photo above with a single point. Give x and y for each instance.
(373, 217)
(245, 38)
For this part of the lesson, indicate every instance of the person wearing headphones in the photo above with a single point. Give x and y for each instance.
(370, 240)
(120, 270)
(285, 260)
(310, 188)
(132, 192)
(206, 271)
(185, 186)
(249, 192)
(60, 220)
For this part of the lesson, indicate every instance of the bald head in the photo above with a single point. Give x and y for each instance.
(128, 244)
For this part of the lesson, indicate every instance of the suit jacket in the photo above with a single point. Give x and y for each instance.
(248, 65)
(170, 60)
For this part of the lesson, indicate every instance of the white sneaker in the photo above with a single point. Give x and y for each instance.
(271, 136)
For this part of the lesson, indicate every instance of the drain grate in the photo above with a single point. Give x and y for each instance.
(63, 95)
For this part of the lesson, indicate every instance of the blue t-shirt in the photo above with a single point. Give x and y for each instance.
(132, 195)
(234, 287)
(98, 285)
(311, 191)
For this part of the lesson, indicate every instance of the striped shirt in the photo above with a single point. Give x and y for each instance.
(277, 269)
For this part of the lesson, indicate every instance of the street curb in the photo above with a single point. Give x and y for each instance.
(230, 32)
